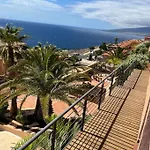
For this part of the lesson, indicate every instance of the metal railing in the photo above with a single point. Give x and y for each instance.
(58, 133)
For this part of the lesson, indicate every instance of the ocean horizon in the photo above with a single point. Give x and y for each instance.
(67, 37)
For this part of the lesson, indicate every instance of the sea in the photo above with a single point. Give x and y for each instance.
(67, 37)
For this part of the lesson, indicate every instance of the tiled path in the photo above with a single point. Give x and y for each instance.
(116, 125)
(7, 140)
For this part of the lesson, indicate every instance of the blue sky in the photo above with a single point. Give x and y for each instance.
(100, 14)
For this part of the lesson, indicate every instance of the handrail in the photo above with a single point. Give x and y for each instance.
(67, 110)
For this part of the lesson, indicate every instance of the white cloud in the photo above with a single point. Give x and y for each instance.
(122, 13)
(38, 5)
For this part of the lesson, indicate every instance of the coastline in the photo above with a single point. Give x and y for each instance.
(124, 44)
(67, 37)
(80, 51)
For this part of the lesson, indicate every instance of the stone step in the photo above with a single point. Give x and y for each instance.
(129, 84)
(99, 125)
(116, 125)
(120, 92)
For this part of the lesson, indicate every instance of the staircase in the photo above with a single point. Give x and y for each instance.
(116, 125)
(106, 117)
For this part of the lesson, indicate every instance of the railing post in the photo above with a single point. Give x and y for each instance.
(101, 94)
(110, 88)
(53, 137)
(125, 72)
(132, 67)
(118, 76)
(53, 124)
(83, 115)
(130, 70)
(135, 64)
(121, 76)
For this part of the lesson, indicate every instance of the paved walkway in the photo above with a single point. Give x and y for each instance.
(58, 106)
(116, 125)
(8, 140)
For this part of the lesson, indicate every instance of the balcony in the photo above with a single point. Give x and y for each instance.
(108, 117)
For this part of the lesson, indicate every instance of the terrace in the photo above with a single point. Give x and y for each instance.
(107, 118)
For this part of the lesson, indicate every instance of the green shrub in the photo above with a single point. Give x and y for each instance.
(3, 108)
(21, 118)
(98, 52)
(65, 130)
(91, 47)
(48, 119)
(141, 60)
(147, 44)
(142, 48)
(22, 142)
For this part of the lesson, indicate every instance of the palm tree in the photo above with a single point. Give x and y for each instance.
(12, 44)
(116, 40)
(48, 74)
(103, 47)
(116, 55)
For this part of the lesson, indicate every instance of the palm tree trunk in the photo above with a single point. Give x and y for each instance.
(39, 113)
(50, 107)
(47, 107)
(13, 109)
(11, 56)
(38, 109)
(43, 109)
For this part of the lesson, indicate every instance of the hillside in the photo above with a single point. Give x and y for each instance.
(140, 31)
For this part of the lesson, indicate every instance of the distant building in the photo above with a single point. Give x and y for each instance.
(147, 38)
